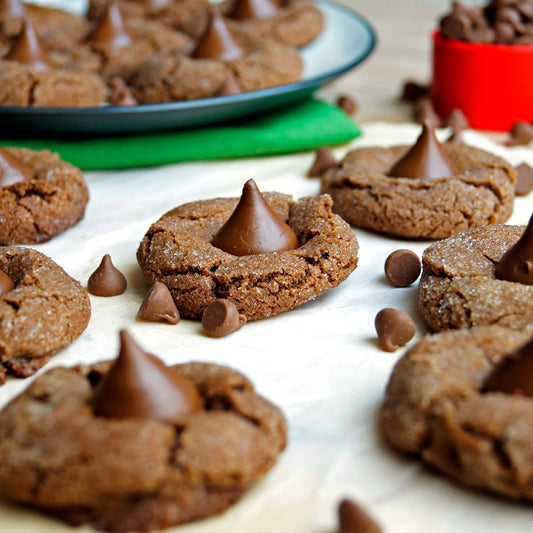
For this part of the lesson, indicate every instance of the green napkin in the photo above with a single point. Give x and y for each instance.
(304, 126)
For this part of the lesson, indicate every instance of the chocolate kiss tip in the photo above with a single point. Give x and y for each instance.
(254, 9)
(139, 385)
(107, 280)
(158, 305)
(110, 29)
(219, 42)
(6, 283)
(354, 519)
(254, 228)
(12, 170)
(514, 374)
(426, 159)
(12, 8)
(517, 263)
(28, 51)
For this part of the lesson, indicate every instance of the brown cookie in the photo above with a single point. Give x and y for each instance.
(481, 193)
(171, 76)
(43, 313)
(53, 200)
(136, 474)
(22, 85)
(296, 23)
(189, 16)
(435, 407)
(459, 289)
(177, 251)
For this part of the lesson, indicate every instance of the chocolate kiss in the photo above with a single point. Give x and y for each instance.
(6, 283)
(425, 159)
(12, 8)
(218, 42)
(514, 375)
(139, 385)
(110, 29)
(254, 228)
(254, 9)
(12, 170)
(159, 305)
(354, 519)
(27, 50)
(156, 4)
(517, 263)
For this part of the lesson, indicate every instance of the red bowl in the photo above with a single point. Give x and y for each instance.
(492, 84)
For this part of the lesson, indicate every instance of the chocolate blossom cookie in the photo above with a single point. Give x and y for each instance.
(202, 252)
(134, 445)
(40, 195)
(481, 276)
(462, 401)
(42, 310)
(427, 191)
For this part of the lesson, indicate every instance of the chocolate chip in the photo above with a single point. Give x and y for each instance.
(354, 519)
(521, 133)
(483, 35)
(27, 50)
(158, 305)
(230, 86)
(524, 180)
(110, 29)
(324, 160)
(106, 280)
(412, 91)
(456, 27)
(402, 268)
(510, 16)
(347, 104)
(505, 33)
(424, 111)
(6, 283)
(455, 138)
(221, 317)
(456, 120)
(120, 94)
(394, 329)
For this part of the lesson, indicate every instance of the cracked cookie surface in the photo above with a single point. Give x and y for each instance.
(434, 408)
(44, 313)
(481, 193)
(136, 474)
(35, 210)
(459, 289)
(177, 251)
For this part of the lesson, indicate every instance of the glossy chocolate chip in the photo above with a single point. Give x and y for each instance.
(517, 263)
(456, 26)
(107, 280)
(139, 385)
(402, 268)
(110, 29)
(254, 9)
(524, 180)
(6, 283)
(254, 228)
(354, 519)
(12, 8)
(120, 94)
(158, 305)
(12, 170)
(230, 86)
(221, 317)
(521, 133)
(394, 329)
(27, 50)
(324, 160)
(413, 91)
(219, 42)
(347, 104)
(426, 159)
(424, 112)
(456, 120)
(514, 375)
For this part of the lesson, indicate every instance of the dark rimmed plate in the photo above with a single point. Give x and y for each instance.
(346, 40)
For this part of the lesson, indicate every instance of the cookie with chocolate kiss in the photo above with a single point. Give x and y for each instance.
(172, 444)
(461, 401)
(481, 276)
(290, 253)
(425, 191)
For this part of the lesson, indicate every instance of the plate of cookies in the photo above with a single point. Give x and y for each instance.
(127, 66)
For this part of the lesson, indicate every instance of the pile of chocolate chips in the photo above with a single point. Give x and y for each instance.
(499, 22)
